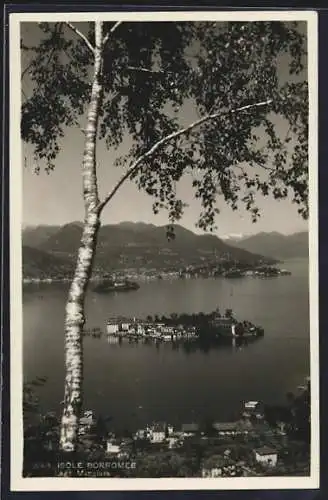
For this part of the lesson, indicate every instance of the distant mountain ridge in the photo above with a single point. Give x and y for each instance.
(276, 245)
(133, 245)
(35, 235)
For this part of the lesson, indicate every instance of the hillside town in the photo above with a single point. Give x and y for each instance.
(262, 441)
(127, 279)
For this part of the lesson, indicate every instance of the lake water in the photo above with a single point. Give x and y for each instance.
(138, 383)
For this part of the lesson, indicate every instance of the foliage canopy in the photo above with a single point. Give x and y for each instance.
(247, 78)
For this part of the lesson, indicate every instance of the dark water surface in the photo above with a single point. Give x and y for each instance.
(138, 383)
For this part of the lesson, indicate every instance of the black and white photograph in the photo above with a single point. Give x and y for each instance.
(164, 303)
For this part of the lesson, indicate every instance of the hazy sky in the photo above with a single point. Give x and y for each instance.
(57, 198)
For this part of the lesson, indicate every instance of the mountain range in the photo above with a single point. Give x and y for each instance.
(34, 236)
(274, 244)
(52, 249)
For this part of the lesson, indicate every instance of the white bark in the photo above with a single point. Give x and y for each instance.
(75, 319)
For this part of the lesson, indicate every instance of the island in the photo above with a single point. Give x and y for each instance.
(110, 285)
(204, 328)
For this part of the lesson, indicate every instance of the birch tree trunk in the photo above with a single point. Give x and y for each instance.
(75, 319)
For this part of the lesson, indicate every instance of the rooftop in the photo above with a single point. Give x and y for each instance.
(114, 441)
(223, 320)
(120, 319)
(266, 450)
(225, 426)
(158, 427)
(85, 420)
(216, 461)
(193, 427)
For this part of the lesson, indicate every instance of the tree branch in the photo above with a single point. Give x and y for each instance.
(26, 70)
(265, 167)
(57, 30)
(287, 133)
(135, 166)
(113, 28)
(144, 70)
(80, 34)
(26, 48)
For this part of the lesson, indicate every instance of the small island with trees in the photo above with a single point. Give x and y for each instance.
(108, 285)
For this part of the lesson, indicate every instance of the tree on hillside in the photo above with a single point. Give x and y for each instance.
(121, 79)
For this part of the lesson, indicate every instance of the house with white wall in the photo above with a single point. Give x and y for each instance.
(218, 466)
(112, 448)
(158, 433)
(266, 456)
(112, 328)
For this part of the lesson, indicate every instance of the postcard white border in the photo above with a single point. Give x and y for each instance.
(18, 483)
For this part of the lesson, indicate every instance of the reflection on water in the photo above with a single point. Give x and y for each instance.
(187, 347)
(139, 382)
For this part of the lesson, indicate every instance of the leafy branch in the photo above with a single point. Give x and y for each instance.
(144, 70)
(111, 31)
(136, 165)
(86, 40)
(82, 36)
